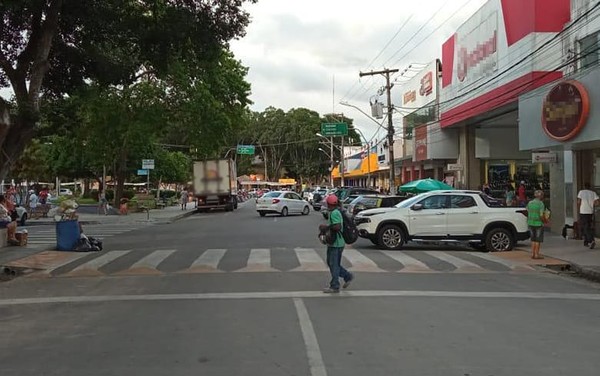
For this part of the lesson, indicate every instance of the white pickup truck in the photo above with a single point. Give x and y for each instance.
(445, 216)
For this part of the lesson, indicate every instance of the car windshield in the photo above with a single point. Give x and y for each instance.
(356, 200)
(409, 202)
(272, 194)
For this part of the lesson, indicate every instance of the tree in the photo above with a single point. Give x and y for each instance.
(55, 47)
(288, 144)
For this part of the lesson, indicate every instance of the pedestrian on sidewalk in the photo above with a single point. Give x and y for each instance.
(522, 194)
(536, 210)
(102, 203)
(335, 246)
(183, 198)
(586, 201)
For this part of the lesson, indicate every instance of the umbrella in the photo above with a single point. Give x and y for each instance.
(424, 185)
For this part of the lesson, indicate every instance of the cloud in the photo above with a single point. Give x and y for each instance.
(295, 48)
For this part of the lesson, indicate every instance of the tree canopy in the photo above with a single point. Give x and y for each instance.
(53, 48)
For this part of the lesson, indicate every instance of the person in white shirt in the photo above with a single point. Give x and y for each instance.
(586, 201)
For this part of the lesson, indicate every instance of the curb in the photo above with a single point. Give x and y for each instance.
(181, 216)
(589, 274)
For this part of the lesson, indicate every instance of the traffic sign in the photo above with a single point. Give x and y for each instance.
(334, 129)
(148, 164)
(246, 149)
(142, 172)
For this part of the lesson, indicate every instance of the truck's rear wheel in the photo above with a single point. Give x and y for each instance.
(499, 240)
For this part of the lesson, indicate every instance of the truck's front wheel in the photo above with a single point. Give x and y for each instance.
(390, 237)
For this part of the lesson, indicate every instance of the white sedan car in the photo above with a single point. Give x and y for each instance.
(281, 202)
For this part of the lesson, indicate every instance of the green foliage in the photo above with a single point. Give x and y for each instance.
(289, 143)
(58, 48)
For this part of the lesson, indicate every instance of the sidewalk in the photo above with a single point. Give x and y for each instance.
(583, 260)
(167, 215)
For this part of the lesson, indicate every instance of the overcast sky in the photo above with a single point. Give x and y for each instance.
(295, 48)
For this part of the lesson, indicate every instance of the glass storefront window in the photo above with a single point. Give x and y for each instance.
(590, 50)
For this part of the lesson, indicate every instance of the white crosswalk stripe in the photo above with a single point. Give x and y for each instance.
(149, 263)
(207, 262)
(260, 260)
(460, 264)
(508, 263)
(310, 261)
(91, 267)
(410, 264)
(360, 262)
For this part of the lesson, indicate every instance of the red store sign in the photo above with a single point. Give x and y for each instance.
(565, 110)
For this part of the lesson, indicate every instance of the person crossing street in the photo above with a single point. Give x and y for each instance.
(335, 246)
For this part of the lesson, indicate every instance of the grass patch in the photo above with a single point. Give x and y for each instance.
(86, 201)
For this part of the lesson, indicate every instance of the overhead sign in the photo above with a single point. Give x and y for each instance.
(334, 129)
(246, 149)
(490, 42)
(565, 110)
(421, 89)
(549, 157)
(455, 167)
(420, 143)
(148, 164)
(142, 172)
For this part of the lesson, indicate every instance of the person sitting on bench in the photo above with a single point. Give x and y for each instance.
(7, 222)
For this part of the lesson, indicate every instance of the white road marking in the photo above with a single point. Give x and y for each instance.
(508, 263)
(258, 261)
(91, 267)
(313, 351)
(410, 264)
(310, 261)
(149, 263)
(47, 272)
(360, 262)
(302, 294)
(460, 264)
(207, 262)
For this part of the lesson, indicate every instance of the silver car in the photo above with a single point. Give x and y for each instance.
(281, 202)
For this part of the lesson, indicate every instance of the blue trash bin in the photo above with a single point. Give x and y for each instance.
(67, 235)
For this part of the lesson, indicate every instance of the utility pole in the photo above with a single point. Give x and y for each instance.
(390, 134)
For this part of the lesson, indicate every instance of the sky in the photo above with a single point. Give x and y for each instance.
(309, 53)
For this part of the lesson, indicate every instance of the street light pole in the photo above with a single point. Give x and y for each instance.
(368, 155)
(390, 133)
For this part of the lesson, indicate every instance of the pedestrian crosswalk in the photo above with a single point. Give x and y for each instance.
(128, 262)
(47, 235)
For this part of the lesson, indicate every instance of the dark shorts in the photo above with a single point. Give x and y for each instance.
(537, 233)
(4, 224)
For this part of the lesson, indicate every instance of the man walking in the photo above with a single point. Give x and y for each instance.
(335, 247)
(586, 200)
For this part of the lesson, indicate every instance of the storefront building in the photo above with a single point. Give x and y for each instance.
(562, 119)
(429, 149)
(504, 50)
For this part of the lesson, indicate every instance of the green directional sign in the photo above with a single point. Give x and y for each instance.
(245, 149)
(334, 129)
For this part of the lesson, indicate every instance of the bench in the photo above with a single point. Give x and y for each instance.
(39, 211)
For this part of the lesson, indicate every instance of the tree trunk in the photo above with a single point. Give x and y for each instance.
(15, 133)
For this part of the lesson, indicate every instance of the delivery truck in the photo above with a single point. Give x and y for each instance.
(215, 184)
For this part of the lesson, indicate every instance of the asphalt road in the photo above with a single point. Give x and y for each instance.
(236, 294)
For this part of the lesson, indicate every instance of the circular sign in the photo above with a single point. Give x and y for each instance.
(565, 110)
